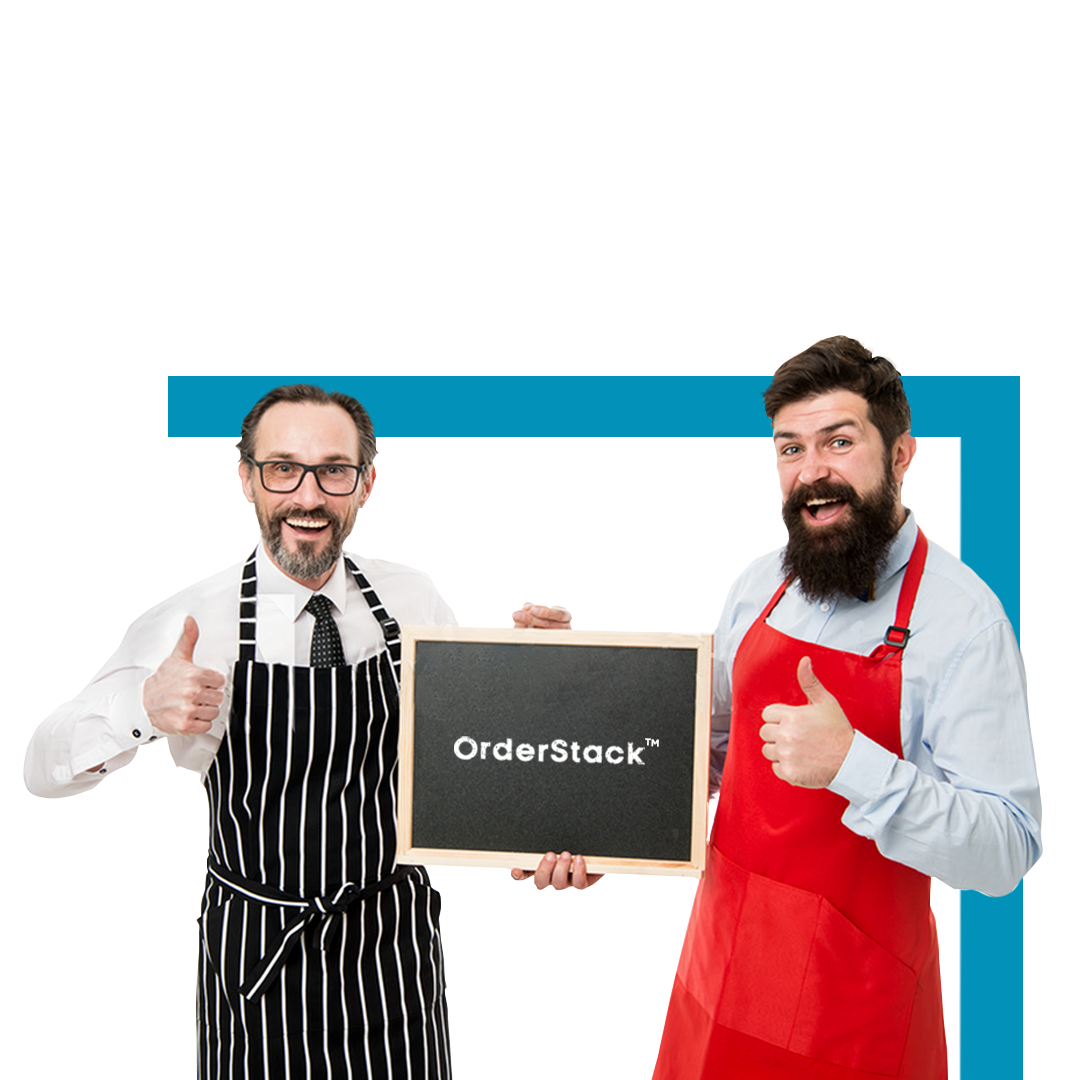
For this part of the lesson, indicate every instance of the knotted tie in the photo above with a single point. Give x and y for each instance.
(326, 648)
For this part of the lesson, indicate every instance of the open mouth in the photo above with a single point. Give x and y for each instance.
(308, 526)
(824, 510)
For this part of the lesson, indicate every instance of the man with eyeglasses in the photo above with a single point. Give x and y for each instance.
(319, 956)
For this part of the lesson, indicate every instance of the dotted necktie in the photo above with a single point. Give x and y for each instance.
(326, 648)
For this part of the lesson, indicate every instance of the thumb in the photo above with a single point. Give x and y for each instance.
(811, 685)
(185, 647)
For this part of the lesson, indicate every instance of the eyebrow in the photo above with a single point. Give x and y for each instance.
(827, 430)
(330, 459)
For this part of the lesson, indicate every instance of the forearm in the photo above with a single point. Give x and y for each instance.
(970, 839)
(82, 742)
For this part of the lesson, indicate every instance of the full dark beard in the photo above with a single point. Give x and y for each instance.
(844, 559)
(305, 563)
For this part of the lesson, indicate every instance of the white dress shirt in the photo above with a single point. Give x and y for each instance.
(963, 803)
(106, 723)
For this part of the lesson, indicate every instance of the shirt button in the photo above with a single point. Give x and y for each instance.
(825, 605)
(137, 734)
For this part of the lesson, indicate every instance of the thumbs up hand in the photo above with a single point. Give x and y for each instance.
(807, 743)
(180, 698)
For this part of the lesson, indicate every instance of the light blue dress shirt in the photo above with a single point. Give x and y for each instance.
(963, 803)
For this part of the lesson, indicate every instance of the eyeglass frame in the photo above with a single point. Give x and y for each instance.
(360, 470)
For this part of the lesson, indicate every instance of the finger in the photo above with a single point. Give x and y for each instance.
(211, 697)
(579, 875)
(542, 876)
(185, 646)
(521, 875)
(211, 680)
(560, 876)
(539, 617)
(770, 732)
(811, 685)
(550, 614)
(773, 714)
(525, 616)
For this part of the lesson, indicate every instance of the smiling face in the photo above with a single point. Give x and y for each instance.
(841, 491)
(304, 530)
(830, 442)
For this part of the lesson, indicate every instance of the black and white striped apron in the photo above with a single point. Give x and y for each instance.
(319, 958)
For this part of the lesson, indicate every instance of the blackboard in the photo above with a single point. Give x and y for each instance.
(519, 742)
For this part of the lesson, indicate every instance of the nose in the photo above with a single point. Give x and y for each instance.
(813, 468)
(309, 494)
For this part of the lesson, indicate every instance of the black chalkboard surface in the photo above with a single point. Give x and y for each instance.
(519, 742)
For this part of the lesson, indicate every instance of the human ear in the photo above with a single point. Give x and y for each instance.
(903, 452)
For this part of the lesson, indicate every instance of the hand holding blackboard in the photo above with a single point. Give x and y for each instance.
(559, 871)
(537, 617)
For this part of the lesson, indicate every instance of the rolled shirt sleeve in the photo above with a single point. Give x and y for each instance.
(964, 807)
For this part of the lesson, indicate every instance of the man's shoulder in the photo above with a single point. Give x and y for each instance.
(763, 576)
(956, 587)
(214, 592)
(407, 593)
(387, 571)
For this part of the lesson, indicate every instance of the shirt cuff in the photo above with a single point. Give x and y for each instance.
(865, 773)
(131, 727)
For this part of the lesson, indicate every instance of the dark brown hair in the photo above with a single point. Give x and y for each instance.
(841, 363)
(315, 395)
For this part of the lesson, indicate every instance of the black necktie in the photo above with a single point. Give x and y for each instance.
(326, 648)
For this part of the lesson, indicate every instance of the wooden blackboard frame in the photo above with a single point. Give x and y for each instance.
(598, 861)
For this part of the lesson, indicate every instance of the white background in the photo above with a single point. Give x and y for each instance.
(500, 188)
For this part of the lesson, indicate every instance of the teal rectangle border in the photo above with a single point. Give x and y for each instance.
(983, 411)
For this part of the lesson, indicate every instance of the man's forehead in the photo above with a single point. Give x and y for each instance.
(823, 412)
(293, 428)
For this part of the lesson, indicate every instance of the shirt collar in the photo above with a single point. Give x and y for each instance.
(277, 587)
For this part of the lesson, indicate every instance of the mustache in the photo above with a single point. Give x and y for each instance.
(804, 494)
(283, 512)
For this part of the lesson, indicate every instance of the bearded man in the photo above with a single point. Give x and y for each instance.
(320, 957)
(870, 725)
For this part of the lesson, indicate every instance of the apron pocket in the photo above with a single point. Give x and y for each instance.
(795, 972)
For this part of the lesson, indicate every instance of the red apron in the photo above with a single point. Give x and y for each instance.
(808, 954)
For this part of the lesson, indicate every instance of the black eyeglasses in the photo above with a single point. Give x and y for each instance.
(281, 477)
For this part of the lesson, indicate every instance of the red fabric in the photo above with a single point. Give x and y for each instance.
(808, 953)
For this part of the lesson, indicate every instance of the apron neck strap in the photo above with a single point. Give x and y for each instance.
(247, 610)
(388, 624)
(896, 637)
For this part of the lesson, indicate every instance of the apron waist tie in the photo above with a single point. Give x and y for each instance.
(319, 908)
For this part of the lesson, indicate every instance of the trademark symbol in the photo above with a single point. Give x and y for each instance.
(652, 742)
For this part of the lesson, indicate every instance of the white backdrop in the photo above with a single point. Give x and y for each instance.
(485, 188)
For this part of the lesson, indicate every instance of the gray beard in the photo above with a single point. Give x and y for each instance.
(304, 563)
(301, 563)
